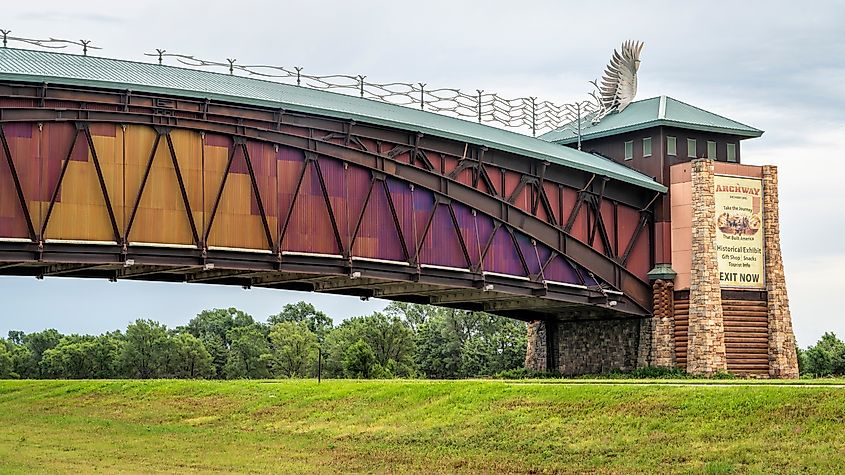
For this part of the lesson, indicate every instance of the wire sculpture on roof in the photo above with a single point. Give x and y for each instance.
(484, 107)
(617, 89)
(50, 43)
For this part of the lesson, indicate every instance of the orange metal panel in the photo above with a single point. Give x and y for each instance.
(161, 216)
(80, 212)
(237, 223)
(215, 157)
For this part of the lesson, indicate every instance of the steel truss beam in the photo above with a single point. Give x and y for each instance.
(324, 274)
(605, 267)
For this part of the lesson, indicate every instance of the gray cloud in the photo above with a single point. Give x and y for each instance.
(73, 17)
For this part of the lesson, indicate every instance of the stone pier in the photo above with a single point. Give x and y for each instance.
(706, 351)
(584, 346)
(783, 360)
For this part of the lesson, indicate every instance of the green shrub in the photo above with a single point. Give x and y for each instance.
(650, 372)
(525, 373)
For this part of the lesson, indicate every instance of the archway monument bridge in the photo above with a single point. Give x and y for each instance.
(125, 170)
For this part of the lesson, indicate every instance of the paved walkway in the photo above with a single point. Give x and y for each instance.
(718, 384)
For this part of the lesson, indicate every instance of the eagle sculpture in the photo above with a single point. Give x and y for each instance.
(619, 82)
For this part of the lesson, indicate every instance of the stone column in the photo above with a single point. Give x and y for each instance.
(663, 331)
(535, 355)
(706, 352)
(783, 360)
(644, 343)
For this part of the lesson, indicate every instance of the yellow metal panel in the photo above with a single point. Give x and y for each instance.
(161, 216)
(235, 225)
(188, 147)
(110, 154)
(214, 167)
(81, 212)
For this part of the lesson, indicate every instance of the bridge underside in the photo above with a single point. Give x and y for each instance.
(503, 295)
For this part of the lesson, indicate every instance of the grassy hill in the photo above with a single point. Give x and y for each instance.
(418, 426)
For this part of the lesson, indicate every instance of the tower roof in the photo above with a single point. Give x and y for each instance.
(653, 112)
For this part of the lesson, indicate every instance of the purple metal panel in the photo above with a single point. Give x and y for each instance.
(588, 279)
(441, 245)
(335, 178)
(12, 221)
(377, 236)
(239, 162)
(532, 261)
(485, 227)
(38, 158)
(25, 155)
(401, 195)
(103, 130)
(422, 206)
(309, 226)
(560, 270)
(22, 130)
(11, 226)
(57, 140)
(544, 252)
(216, 140)
(262, 156)
(472, 240)
(358, 182)
(640, 261)
(289, 163)
(502, 257)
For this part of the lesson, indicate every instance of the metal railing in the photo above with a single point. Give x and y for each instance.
(520, 113)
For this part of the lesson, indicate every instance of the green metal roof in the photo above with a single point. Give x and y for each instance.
(654, 112)
(67, 69)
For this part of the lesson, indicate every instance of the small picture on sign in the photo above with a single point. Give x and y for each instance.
(738, 224)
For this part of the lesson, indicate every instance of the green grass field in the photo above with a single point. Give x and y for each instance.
(419, 426)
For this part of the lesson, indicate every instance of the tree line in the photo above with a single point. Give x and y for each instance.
(405, 340)
(825, 358)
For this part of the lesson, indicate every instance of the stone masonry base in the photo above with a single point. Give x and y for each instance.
(584, 346)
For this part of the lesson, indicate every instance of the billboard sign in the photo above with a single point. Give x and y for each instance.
(739, 232)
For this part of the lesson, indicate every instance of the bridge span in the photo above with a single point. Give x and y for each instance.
(121, 170)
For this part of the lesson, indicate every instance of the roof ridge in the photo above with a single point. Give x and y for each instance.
(712, 113)
(661, 109)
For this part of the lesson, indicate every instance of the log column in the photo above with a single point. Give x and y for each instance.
(663, 331)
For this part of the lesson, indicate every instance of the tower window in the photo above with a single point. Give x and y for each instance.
(629, 150)
(647, 147)
(711, 149)
(731, 152)
(671, 146)
(691, 148)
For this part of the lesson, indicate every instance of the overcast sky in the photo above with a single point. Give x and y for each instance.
(777, 66)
